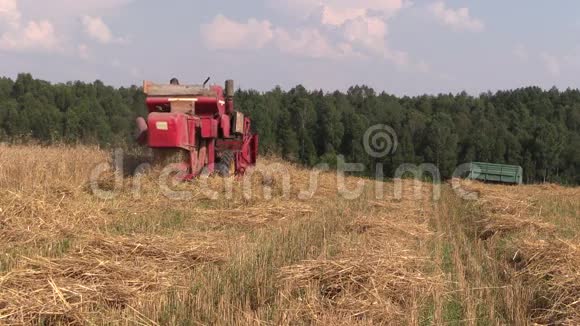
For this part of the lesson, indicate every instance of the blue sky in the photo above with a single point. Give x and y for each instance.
(402, 47)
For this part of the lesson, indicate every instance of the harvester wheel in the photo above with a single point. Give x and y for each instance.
(223, 167)
(204, 172)
(165, 156)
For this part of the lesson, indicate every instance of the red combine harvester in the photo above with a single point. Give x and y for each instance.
(197, 127)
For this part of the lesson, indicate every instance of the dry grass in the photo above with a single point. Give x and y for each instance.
(229, 252)
(534, 231)
(381, 275)
(103, 272)
(258, 252)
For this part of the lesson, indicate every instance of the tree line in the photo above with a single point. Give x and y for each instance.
(535, 128)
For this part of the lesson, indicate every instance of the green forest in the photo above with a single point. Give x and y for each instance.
(535, 128)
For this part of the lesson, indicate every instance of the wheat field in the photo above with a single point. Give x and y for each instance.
(271, 249)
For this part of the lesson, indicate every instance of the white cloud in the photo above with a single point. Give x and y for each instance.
(369, 35)
(339, 12)
(362, 37)
(367, 32)
(96, 28)
(223, 33)
(459, 19)
(305, 42)
(363, 26)
(34, 35)
(347, 50)
(37, 36)
(558, 64)
(336, 12)
(386, 6)
(338, 16)
(9, 13)
(552, 64)
(83, 51)
(401, 59)
(226, 34)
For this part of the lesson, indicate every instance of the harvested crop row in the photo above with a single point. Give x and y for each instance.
(380, 276)
(101, 272)
(534, 229)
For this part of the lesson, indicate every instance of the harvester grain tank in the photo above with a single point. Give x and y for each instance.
(198, 128)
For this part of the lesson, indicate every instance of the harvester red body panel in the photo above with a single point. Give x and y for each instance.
(201, 122)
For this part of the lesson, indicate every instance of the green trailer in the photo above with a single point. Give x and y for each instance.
(500, 173)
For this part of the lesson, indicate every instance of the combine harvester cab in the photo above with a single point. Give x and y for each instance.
(198, 128)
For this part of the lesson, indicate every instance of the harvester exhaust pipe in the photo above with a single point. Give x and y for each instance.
(142, 130)
(230, 96)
